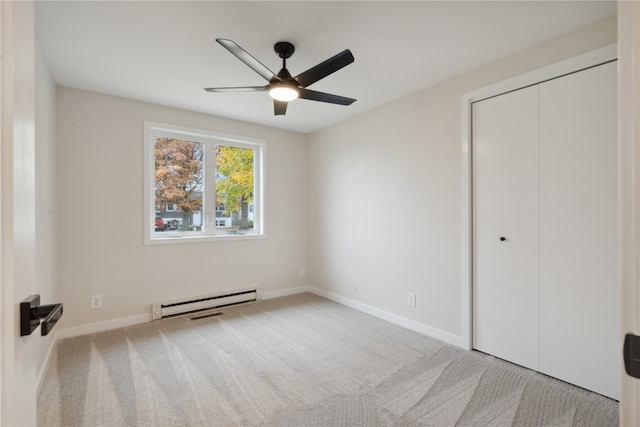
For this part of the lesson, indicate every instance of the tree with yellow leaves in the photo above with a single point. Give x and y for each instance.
(234, 182)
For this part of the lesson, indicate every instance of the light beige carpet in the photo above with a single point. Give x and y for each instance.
(297, 361)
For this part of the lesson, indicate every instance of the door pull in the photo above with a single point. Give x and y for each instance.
(631, 355)
(32, 315)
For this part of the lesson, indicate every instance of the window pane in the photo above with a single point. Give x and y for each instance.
(202, 185)
(178, 184)
(234, 189)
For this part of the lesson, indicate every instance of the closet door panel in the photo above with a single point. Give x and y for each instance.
(505, 204)
(578, 230)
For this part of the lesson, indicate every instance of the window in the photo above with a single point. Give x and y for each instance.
(203, 185)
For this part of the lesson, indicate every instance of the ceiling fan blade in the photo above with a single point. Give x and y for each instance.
(237, 89)
(252, 62)
(325, 68)
(324, 97)
(279, 107)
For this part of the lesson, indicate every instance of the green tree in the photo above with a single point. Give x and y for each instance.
(179, 176)
(234, 182)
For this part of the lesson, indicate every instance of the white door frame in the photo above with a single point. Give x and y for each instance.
(2, 333)
(571, 65)
(629, 137)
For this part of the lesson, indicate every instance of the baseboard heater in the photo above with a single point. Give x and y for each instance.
(202, 303)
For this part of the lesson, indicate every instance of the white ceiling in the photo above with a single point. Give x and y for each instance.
(165, 52)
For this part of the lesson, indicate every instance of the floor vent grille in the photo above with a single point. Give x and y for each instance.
(204, 316)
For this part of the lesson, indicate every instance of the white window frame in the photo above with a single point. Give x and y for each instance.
(153, 130)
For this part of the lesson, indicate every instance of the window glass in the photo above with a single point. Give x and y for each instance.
(201, 184)
(179, 181)
(234, 188)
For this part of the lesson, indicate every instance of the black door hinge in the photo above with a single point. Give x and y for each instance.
(631, 355)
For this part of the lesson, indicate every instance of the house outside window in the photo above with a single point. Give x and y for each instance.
(204, 185)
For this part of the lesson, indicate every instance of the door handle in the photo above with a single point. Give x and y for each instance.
(32, 315)
(631, 355)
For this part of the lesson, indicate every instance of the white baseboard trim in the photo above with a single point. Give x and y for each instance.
(104, 326)
(286, 292)
(47, 361)
(376, 312)
(393, 318)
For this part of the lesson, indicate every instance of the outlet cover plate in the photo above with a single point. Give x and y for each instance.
(96, 301)
(411, 299)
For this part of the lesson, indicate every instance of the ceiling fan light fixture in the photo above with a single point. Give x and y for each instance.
(283, 87)
(283, 93)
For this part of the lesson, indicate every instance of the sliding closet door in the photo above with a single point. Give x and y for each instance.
(505, 242)
(579, 230)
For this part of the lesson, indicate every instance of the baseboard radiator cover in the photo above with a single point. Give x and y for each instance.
(203, 303)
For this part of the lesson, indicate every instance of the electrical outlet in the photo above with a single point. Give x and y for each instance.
(301, 272)
(411, 299)
(96, 301)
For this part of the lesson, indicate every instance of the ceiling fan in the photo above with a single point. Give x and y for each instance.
(283, 87)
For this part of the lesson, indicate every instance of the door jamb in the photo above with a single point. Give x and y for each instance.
(629, 140)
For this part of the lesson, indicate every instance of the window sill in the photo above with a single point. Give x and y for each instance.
(180, 238)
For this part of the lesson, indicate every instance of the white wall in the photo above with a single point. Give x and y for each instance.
(100, 165)
(385, 193)
(46, 198)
